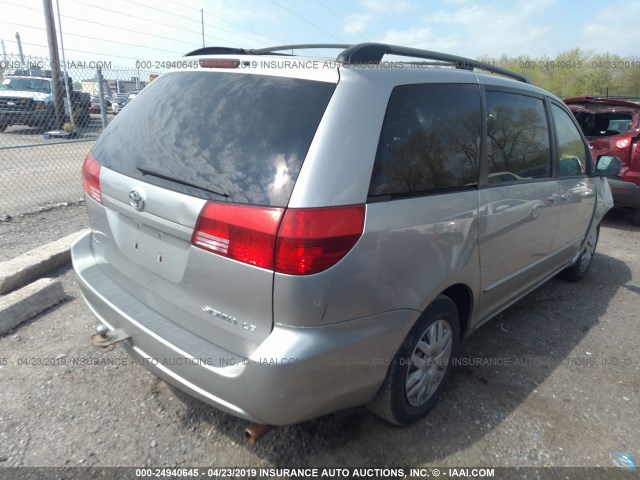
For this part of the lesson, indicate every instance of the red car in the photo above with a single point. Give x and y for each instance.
(95, 105)
(612, 127)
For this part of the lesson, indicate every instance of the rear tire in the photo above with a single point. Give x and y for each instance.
(420, 368)
(578, 270)
(635, 219)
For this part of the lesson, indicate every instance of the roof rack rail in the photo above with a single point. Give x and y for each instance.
(373, 53)
(262, 51)
(309, 46)
(367, 53)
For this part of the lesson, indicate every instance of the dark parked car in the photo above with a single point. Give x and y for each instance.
(612, 127)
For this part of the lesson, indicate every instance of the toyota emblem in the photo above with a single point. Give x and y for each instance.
(136, 200)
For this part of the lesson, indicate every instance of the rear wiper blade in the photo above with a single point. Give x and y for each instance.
(153, 173)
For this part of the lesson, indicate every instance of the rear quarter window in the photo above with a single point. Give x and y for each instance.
(430, 140)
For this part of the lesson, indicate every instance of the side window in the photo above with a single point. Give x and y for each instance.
(572, 152)
(517, 138)
(430, 140)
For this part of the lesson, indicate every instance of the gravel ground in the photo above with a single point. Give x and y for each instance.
(23, 233)
(553, 381)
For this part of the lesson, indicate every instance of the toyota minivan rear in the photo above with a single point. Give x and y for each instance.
(284, 237)
(187, 194)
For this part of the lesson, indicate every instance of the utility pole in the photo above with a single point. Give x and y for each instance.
(20, 48)
(67, 83)
(58, 96)
(103, 104)
(4, 52)
(202, 20)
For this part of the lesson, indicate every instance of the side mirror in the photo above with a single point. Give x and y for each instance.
(608, 166)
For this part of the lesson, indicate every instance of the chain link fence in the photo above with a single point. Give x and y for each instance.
(48, 125)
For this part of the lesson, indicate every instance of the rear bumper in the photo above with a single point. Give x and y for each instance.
(294, 375)
(625, 194)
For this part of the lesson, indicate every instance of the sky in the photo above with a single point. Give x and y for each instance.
(125, 31)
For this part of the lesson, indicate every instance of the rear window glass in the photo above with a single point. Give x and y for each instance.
(240, 135)
(571, 149)
(430, 140)
(603, 124)
(517, 138)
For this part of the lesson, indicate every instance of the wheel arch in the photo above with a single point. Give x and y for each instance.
(462, 296)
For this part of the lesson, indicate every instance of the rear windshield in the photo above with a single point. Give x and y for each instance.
(241, 136)
(603, 124)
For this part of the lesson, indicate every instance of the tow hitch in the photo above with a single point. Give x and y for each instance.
(105, 337)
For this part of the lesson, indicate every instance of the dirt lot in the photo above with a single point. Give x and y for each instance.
(553, 381)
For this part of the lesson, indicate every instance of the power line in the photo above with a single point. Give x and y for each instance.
(193, 20)
(146, 20)
(271, 39)
(163, 11)
(343, 20)
(108, 26)
(71, 50)
(164, 24)
(234, 33)
(94, 38)
(312, 54)
(307, 21)
(183, 5)
(132, 31)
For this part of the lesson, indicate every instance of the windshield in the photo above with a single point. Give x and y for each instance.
(244, 136)
(26, 84)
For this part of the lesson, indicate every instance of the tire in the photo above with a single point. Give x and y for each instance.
(400, 401)
(535, 213)
(635, 219)
(578, 270)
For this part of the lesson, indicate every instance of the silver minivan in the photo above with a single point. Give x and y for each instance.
(283, 237)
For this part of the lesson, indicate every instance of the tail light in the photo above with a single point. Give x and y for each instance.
(244, 233)
(623, 143)
(315, 239)
(91, 177)
(291, 241)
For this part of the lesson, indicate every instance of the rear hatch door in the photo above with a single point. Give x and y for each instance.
(190, 139)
